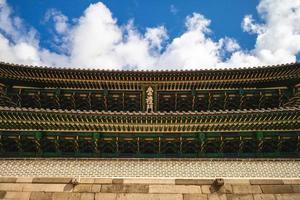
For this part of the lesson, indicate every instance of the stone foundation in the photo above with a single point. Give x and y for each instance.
(145, 179)
(144, 189)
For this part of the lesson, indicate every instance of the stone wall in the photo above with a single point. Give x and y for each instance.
(146, 189)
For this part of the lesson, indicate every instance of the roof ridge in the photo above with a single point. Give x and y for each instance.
(146, 71)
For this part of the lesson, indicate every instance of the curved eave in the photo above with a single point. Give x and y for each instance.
(140, 113)
(201, 70)
(84, 78)
(21, 119)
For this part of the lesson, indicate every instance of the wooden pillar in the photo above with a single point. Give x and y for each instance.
(105, 94)
(143, 98)
(57, 149)
(76, 144)
(141, 101)
(138, 145)
(117, 145)
(242, 101)
(37, 97)
(298, 145)
(180, 146)
(89, 100)
(209, 100)
(279, 144)
(57, 98)
(261, 100)
(37, 139)
(241, 145)
(221, 149)
(193, 99)
(96, 137)
(242, 98)
(201, 139)
(225, 101)
(123, 101)
(19, 145)
(159, 145)
(155, 98)
(280, 97)
(73, 96)
(175, 102)
(260, 139)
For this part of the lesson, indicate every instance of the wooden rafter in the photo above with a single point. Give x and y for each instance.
(133, 80)
(283, 119)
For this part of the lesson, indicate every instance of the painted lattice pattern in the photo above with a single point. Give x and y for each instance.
(184, 168)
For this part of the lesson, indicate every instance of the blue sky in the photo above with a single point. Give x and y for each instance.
(226, 15)
(169, 34)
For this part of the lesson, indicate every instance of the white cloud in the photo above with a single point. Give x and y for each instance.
(18, 42)
(193, 48)
(96, 40)
(250, 26)
(156, 37)
(60, 20)
(229, 44)
(278, 38)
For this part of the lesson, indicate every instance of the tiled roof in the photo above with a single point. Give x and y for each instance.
(87, 78)
(22, 119)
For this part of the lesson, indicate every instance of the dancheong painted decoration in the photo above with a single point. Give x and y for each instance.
(247, 112)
